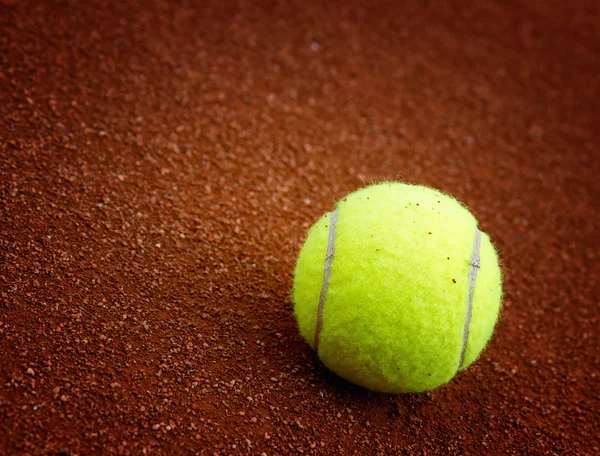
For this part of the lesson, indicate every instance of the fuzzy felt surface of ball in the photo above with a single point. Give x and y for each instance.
(397, 289)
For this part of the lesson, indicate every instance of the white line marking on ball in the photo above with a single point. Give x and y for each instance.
(326, 274)
(475, 265)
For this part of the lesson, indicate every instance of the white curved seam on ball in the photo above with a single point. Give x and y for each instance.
(326, 275)
(475, 265)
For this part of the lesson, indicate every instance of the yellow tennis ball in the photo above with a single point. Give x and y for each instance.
(397, 289)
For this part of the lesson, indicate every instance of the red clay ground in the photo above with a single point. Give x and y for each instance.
(161, 161)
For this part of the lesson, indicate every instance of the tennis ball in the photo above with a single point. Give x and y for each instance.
(397, 289)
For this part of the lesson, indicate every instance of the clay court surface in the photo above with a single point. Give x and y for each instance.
(161, 162)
